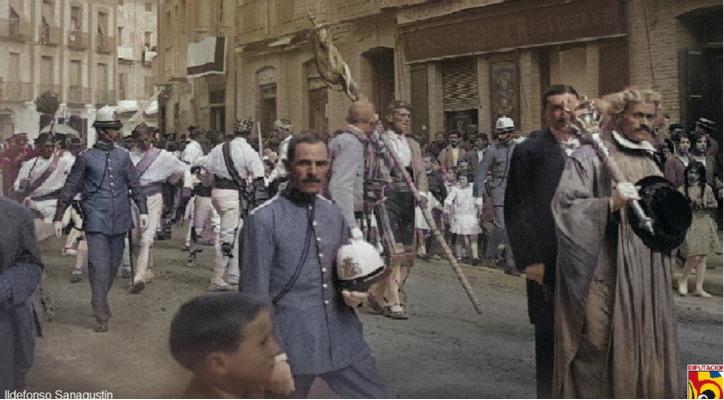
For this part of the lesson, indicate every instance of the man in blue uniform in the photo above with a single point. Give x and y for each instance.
(496, 160)
(103, 175)
(288, 249)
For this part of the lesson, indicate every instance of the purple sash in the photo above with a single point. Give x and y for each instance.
(148, 159)
(42, 178)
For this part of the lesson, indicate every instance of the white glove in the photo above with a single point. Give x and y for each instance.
(357, 234)
(623, 193)
(58, 229)
(143, 219)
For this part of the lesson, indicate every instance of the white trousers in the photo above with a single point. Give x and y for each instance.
(226, 203)
(143, 238)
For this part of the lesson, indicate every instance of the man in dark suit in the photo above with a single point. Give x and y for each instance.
(535, 169)
(20, 272)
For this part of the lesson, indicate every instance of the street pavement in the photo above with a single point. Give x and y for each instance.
(444, 350)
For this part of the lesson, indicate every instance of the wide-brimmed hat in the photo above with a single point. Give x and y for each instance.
(106, 118)
(670, 211)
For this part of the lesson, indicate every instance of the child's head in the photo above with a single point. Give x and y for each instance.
(699, 142)
(695, 174)
(463, 179)
(681, 141)
(226, 339)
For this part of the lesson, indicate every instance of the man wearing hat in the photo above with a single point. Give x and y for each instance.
(154, 167)
(236, 167)
(41, 178)
(496, 161)
(614, 325)
(104, 175)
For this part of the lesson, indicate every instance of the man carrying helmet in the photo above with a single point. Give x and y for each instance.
(103, 174)
(496, 161)
(289, 246)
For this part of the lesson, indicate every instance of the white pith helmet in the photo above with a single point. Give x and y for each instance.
(359, 265)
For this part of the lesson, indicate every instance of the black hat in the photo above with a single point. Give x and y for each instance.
(670, 211)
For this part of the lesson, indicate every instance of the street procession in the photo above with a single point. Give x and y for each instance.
(361, 199)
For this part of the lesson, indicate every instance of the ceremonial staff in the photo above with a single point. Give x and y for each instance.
(336, 74)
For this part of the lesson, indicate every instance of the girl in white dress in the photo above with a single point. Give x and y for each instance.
(463, 212)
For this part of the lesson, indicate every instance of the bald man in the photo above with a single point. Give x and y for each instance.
(347, 151)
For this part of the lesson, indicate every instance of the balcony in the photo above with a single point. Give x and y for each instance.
(15, 29)
(78, 40)
(105, 44)
(105, 97)
(49, 35)
(45, 87)
(78, 95)
(16, 91)
(293, 15)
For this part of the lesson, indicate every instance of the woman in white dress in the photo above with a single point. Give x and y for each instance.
(463, 211)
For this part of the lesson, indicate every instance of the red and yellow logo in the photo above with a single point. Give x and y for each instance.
(705, 382)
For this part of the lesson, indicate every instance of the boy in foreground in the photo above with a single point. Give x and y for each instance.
(227, 341)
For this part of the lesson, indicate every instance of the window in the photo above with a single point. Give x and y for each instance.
(149, 7)
(14, 73)
(46, 70)
(122, 85)
(76, 18)
(102, 77)
(147, 39)
(119, 36)
(102, 23)
(75, 73)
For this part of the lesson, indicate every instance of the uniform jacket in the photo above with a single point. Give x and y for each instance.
(347, 151)
(496, 160)
(535, 169)
(104, 178)
(20, 271)
(315, 327)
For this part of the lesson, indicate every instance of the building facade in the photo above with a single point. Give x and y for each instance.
(62, 46)
(460, 63)
(488, 58)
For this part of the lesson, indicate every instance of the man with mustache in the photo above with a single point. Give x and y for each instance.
(535, 169)
(395, 209)
(288, 251)
(614, 324)
(452, 153)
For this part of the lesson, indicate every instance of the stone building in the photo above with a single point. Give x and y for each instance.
(64, 46)
(485, 58)
(461, 63)
(136, 41)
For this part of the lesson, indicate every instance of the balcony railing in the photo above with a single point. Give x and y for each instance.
(46, 87)
(50, 35)
(15, 29)
(78, 40)
(105, 44)
(105, 97)
(78, 95)
(16, 91)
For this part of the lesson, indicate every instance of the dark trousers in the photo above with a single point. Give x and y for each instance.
(358, 381)
(104, 258)
(544, 359)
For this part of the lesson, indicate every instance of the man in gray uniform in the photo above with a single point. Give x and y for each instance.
(20, 271)
(496, 160)
(347, 151)
(288, 250)
(103, 174)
